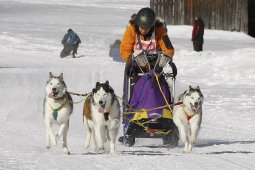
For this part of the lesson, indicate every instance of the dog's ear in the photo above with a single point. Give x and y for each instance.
(111, 89)
(61, 76)
(94, 91)
(97, 84)
(107, 82)
(190, 88)
(50, 75)
(198, 87)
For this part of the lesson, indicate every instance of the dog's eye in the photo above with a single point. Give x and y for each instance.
(50, 83)
(58, 84)
(192, 97)
(104, 94)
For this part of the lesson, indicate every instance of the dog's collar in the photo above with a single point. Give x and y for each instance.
(55, 111)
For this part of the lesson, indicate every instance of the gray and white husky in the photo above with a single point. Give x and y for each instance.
(58, 107)
(188, 116)
(101, 116)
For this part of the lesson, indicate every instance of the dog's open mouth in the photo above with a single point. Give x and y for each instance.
(101, 108)
(194, 107)
(53, 94)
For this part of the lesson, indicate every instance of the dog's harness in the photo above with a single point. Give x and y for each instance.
(55, 111)
(187, 116)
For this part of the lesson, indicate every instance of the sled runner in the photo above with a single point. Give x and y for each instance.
(148, 100)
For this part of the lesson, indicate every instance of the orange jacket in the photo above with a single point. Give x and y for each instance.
(129, 40)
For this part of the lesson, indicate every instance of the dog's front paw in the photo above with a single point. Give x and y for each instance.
(101, 150)
(112, 148)
(66, 151)
(187, 147)
(47, 145)
(192, 140)
(188, 150)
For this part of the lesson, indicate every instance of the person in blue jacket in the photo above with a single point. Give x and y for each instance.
(71, 43)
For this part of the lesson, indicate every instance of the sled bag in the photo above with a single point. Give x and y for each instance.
(147, 95)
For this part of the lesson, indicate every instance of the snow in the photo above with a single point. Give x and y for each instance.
(31, 31)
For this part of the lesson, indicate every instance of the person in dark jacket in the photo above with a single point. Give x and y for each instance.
(198, 34)
(115, 51)
(71, 43)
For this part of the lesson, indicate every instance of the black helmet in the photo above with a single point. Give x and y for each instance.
(145, 18)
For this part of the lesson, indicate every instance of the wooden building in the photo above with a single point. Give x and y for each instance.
(231, 15)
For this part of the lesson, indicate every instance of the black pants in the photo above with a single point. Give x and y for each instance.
(67, 50)
(198, 46)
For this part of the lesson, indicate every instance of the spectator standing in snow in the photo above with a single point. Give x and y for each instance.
(115, 51)
(71, 43)
(198, 34)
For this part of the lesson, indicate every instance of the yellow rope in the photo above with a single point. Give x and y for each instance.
(146, 128)
(84, 95)
(76, 102)
(169, 106)
(142, 110)
(152, 119)
(155, 108)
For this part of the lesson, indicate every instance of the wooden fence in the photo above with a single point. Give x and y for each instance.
(217, 14)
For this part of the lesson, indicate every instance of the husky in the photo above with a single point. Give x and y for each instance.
(188, 116)
(58, 107)
(101, 117)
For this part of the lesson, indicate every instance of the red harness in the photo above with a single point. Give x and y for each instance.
(187, 116)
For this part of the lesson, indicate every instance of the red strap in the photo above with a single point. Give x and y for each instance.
(188, 116)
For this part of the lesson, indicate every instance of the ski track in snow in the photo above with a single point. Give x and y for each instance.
(30, 50)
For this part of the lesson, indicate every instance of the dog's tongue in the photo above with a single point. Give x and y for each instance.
(51, 95)
(101, 109)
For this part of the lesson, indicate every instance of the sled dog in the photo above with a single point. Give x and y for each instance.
(101, 117)
(188, 116)
(58, 107)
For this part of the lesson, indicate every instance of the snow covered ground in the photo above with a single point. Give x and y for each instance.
(30, 35)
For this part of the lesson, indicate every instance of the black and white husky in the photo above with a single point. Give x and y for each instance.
(58, 107)
(188, 116)
(101, 116)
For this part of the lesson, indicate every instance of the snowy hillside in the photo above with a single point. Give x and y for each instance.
(30, 36)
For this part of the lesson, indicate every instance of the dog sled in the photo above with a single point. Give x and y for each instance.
(148, 100)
